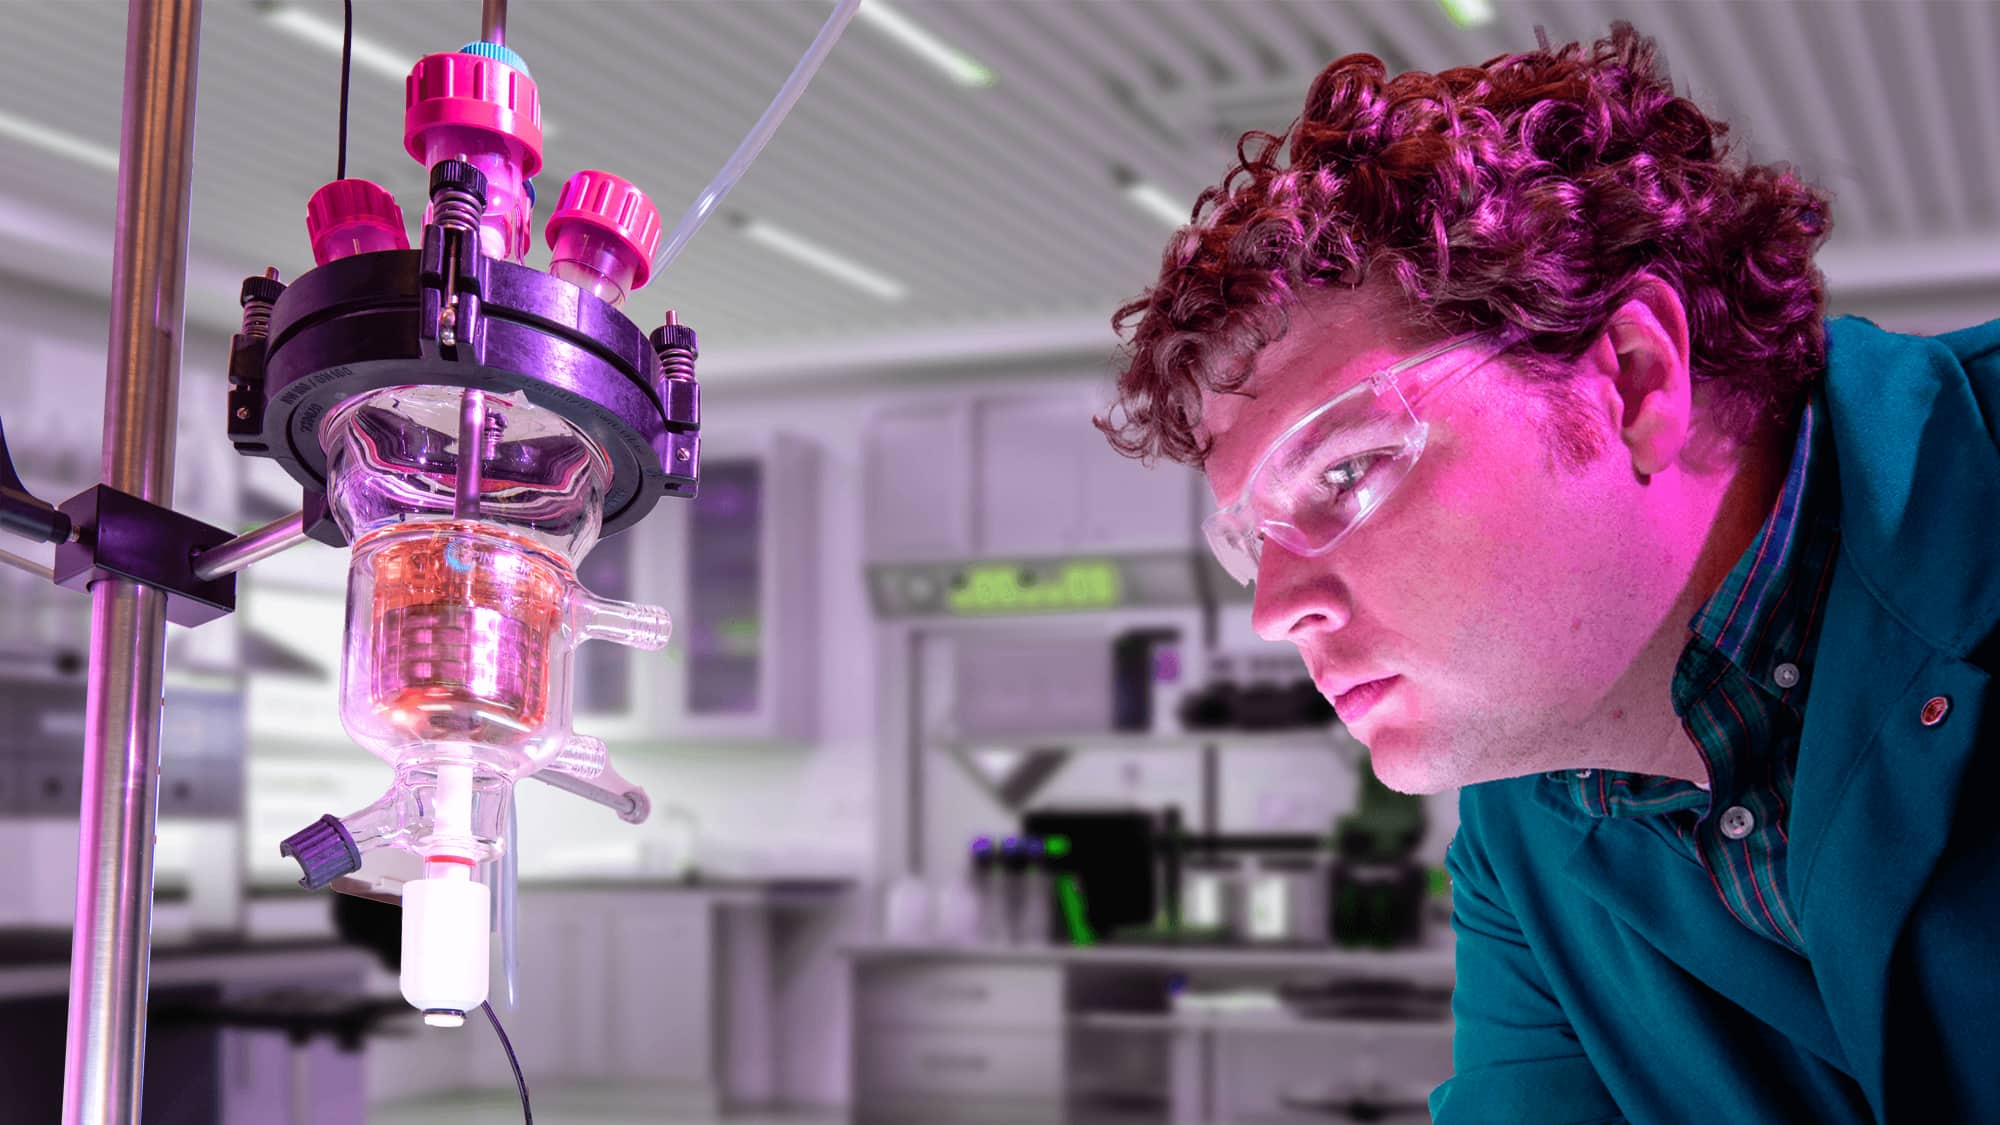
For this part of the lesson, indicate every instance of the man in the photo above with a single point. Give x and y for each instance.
(1519, 410)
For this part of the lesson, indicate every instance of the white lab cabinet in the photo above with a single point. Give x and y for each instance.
(918, 472)
(291, 643)
(616, 987)
(738, 567)
(1019, 475)
(1029, 460)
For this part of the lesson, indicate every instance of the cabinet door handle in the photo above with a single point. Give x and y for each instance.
(955, 1062)
(960, 993)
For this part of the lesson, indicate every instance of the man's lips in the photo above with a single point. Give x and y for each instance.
(1355, 702)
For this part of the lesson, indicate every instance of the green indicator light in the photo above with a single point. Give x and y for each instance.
(1056, 846)
(999, 588)
(739, 636)
(1074, 917)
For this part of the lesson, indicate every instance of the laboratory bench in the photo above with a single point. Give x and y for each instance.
(36, 962)
(1144, 1034)
(662, 995)
(1433, 961)
(203, 1069)
(776, 892)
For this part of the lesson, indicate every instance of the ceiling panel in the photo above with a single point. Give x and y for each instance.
(999, 206)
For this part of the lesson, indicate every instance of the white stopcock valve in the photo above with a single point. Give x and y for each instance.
(446, 915)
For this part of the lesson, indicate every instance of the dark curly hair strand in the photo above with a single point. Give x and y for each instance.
(1533, 190)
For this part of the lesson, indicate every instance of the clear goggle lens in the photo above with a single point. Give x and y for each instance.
(1317, 486)
(1335, 466)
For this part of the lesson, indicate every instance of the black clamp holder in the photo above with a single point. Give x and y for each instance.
(22, 512)
(104, 533)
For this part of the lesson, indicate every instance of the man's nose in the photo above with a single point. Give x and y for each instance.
(1297, 596)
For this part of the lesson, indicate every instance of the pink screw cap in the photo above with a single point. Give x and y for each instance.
(348, 217)
(453, 89)
(607, 213)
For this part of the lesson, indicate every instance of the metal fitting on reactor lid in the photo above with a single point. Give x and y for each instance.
(473, 92)
(458, 195)
(603, 234)
(348, 217)
(678, 347)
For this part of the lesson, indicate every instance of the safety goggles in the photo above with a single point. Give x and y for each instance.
(1328, 473)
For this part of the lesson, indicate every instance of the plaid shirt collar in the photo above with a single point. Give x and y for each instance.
(1759, 625)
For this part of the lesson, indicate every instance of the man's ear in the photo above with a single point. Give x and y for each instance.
(1644, 351)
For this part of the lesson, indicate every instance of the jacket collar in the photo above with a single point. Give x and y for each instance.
(1918, 462)
(1913, 593)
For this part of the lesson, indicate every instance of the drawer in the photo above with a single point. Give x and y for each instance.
(1016, 1064)
(970, 996)
(930, 1109)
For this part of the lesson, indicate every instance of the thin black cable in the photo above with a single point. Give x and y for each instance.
(346, 68)
(520, 1083)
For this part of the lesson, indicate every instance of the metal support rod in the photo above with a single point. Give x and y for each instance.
(471, 455)
(111, 952)
(493, 21)
(252, 546)
(9, 558)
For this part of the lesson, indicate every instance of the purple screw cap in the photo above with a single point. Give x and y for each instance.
(325, 851)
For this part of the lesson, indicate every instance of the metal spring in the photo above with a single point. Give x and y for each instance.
(457, 210)
(257, 319)
(676, 363)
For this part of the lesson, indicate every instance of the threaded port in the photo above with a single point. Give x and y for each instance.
(257, 319)
(457, 210)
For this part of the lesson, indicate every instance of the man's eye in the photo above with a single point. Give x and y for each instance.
(1345, 476)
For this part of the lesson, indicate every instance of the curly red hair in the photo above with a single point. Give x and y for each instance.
(1534, 190)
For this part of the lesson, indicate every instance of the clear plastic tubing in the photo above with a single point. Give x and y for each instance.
(510, 889)
(760, 135)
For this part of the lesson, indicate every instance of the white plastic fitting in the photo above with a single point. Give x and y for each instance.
(445, 921)
(446, 914)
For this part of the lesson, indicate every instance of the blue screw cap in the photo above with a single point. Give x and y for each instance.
(497, 53)
(325, 851)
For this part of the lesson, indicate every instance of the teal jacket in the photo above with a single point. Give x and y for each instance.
(1600, 977)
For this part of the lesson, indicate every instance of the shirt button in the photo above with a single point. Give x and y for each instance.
(1935, 709)
(1737, 822)
(1787, 675)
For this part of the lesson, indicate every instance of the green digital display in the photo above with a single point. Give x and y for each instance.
(1005, 588)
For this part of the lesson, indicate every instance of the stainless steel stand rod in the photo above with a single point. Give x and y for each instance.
(493, 21)
(9, 558)
(252, 546)
(111, 953)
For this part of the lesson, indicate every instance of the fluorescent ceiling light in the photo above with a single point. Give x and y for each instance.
(1154, 201)
(812, 254)
(913, 37)
(325, 34)
(1469, 13)
(55, 140)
